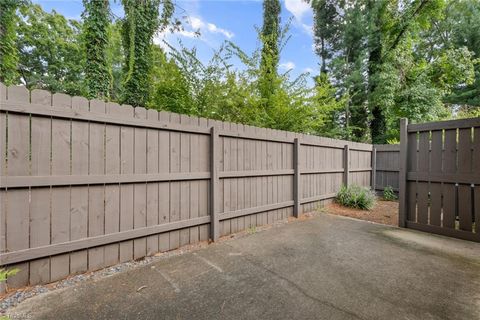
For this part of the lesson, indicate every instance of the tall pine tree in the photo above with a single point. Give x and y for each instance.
(325, 29)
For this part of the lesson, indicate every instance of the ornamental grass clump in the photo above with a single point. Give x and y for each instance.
(357, 197)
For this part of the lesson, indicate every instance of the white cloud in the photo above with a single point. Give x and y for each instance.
(289, 65)
(198, 24)
(297, 7)
(214, 29)
(194, 28)
(309, 70)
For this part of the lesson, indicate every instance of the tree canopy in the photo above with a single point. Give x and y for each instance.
(378, 60)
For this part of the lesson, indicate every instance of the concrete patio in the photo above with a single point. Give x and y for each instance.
(326, 267)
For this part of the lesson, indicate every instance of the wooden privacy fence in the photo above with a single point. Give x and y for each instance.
(386, 159)
(440, 177)
(87, 184)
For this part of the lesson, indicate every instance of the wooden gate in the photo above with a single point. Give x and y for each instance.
(440, 177)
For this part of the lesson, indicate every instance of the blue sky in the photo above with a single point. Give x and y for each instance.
(220, 20)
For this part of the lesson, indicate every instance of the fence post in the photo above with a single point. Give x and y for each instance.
(402, 190)
(214, 221)
(374, 169)
(346, 164)
(296, 178)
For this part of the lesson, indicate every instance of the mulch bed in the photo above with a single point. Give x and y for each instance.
(384, 212)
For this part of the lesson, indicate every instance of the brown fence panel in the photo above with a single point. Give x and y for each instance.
(387, 166)
(443, 178)
(88, 184)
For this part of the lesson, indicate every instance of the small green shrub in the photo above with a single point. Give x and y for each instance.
(389, 194)
(356, 197)
(4, 274)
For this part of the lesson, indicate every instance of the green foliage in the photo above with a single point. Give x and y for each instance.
(357, 197)
(95, 28)
(326, 25)
(115, 61)
(381, 57)
(4, 274)
(389, 194)
(8, 36)
(140, 23)
(270, 37)
(379, 61)
(50, 51)
(182, 83)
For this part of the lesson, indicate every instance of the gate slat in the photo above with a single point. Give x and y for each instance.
(423, 166)
(465, 208)
(476, 168)
(449, 190)
(436, 188)
(412, 185)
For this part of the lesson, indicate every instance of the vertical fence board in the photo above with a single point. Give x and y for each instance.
(184, 185)
(60, 215)
(112, 192)
(412, 166)
(204, 186)
(17, 209)
(436, 188)
(164, 187)
(465, 209)
(139, 189)
(79, 194)
(3, 172)
(449, 190)
(40, 197)
(477, 208)
(96, 193)
(126, 190)
(214, 184)
(476, 168)
(194, 185)
(174, 186)
(152, 213)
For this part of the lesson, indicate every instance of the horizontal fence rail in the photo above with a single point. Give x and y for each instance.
(88, 184)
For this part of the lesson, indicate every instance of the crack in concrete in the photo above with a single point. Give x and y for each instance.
(250, 258)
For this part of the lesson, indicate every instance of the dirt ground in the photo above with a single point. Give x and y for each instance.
(384, 212)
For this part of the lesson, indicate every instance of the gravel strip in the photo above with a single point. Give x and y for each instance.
(14, 297)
